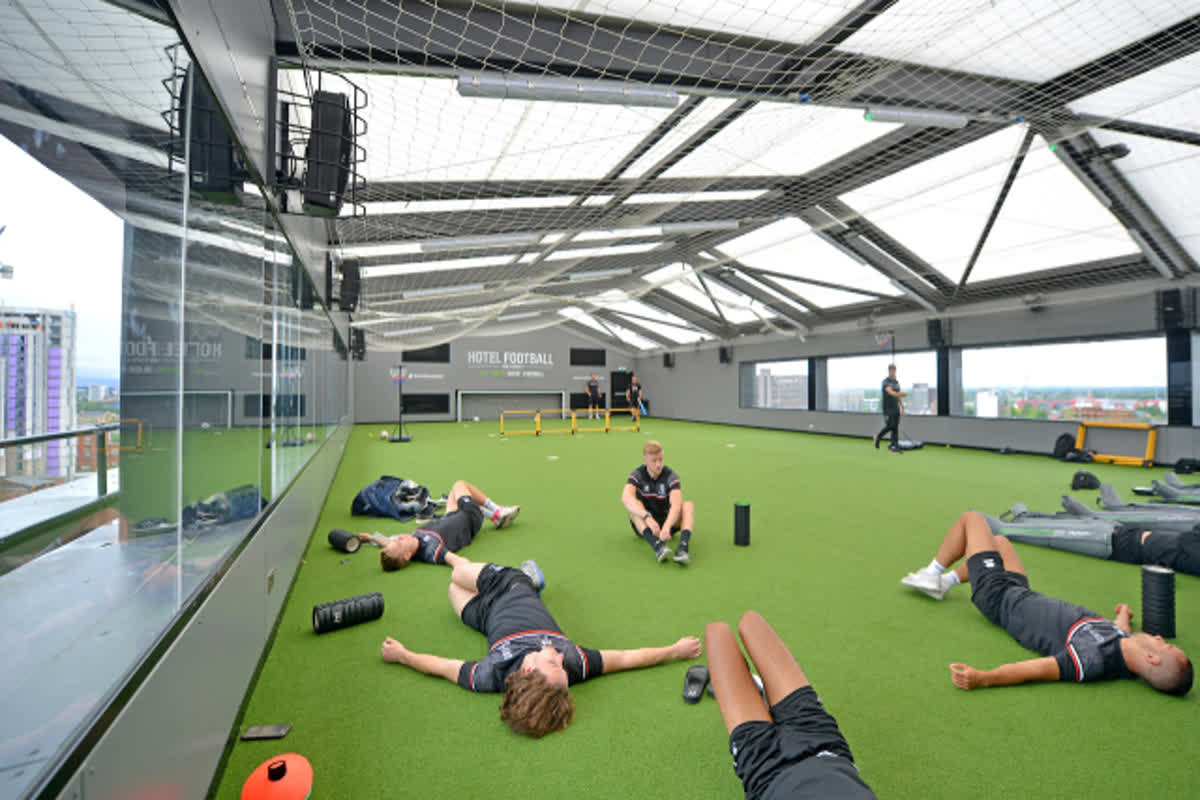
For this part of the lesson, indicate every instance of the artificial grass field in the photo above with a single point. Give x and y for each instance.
(835, 524)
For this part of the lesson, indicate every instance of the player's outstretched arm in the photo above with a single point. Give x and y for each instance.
(396, 653)
(1035, 669)
(373, 538)
(619, 660)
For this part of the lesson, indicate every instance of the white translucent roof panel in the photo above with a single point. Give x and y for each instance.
(705, 113)
(1168, 95)
(780, 139)
(938, 210)
(1012, 38)
(735, 306)
(91, 53)
(422, 129)
(796, 22)
(823, 296)
(1049, 219)
(668, 326)
(1167, 176)
(607, 328)
(789, 246)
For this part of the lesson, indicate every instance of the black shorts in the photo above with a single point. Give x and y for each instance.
(677, 527)
(594, 399)
(458, 528)
(801, 754)
(990, 582)
(494, 582)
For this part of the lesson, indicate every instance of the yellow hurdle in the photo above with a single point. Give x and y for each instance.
(596, 430)
(537, 423)
(137, 448)
(571, 430)
(636, 426)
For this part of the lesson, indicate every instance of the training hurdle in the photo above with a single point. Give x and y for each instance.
(537, 423)
(637, 421)
(136, 448)
(1125, 461)
(538, 430)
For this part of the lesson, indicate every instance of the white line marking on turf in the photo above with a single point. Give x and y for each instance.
(731, 445)
(552, 458)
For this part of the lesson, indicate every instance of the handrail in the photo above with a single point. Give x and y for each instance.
(49, 437)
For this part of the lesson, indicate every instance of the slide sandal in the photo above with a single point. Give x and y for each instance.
(694, 682)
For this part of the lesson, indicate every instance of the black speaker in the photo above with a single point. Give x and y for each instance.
(330, 143)
(351, 282)
(725, 354)
(1179, 377)
(935, 332)
(669, 360)
(213, 167)
(358, 344)
(1172, 310)
(339, 346)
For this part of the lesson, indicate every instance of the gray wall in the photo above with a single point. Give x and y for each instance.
(174, 729)
(375, 397)
(700, 388)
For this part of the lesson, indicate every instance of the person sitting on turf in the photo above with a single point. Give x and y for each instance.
(654, 500)
(434, 539)
(529, 658)
(787, 745)
(1078, 644)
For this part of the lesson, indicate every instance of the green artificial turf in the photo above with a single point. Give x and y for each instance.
(835, 524)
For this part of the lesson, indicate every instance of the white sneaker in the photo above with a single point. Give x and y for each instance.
(505, 516)
(926, 583)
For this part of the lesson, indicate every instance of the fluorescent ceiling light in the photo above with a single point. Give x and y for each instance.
(600, 273)
(700, 226)
(521, 315)
(464, 288)
(479, 242)
(420, 267)
(612, 250)
(477, 204)
(696, 197)
(566, 90)
(912, 116)
(389, 249)
(921, 301)
(408, 331)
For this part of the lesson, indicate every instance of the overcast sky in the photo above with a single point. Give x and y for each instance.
(65, 250)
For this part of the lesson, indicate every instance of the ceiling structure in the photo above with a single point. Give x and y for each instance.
(660, 174)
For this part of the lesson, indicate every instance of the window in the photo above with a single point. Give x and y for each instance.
(1071, 381)
(855, 382)
(777, 384)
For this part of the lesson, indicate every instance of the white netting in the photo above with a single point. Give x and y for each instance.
(758, 199)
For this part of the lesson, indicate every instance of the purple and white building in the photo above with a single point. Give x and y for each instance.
(37, 388)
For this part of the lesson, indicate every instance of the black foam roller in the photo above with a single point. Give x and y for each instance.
(339, 614)
(741, 524)
(1158, 601)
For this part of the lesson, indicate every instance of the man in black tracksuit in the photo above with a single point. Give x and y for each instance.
(892, 405)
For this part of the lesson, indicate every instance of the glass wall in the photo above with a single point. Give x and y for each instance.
(779, 384)
(192, 326)
(855, 382)
(1071, 381)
